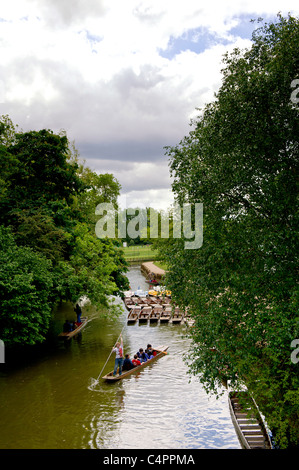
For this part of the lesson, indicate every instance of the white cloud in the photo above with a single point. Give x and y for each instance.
(123, 78)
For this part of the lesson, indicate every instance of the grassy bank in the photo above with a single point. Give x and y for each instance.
(140, 253)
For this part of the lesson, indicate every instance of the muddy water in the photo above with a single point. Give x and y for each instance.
(46, 401)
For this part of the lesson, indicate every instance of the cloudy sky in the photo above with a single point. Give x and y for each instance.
(122, 77)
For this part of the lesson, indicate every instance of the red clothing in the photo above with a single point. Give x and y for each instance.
(136, 362)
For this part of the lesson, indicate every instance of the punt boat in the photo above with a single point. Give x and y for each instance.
(70, 334)
(144, 314)
(165, 315)
(133, 314)
(177, 316)
(155, 313)
(129, 302)
(160, 352)
(248, 423)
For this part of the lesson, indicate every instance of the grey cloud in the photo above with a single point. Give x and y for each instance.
(146, 15)
(58, 12)
(134, 176)
(129, 151)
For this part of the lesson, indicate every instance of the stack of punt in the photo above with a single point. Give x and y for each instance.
(177, 316)
(155, 313)
(134, 314)
(248, 422)
(165, 315)
(144, 314)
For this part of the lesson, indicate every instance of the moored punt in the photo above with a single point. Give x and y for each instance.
(129, 303)
(177, 316)
(70, 334)
(165, 315)
(153, 300)
(155, 313)
(248, 423)
(133, 314)
(161, 351)
(144, 314)
(165, 300)
(189, 320)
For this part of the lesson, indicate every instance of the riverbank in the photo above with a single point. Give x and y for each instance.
(153, 271)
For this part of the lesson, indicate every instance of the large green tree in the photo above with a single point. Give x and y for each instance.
(241, 161)
(47, 201)
(26, 283)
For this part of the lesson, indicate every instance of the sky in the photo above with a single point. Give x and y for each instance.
(123, 78)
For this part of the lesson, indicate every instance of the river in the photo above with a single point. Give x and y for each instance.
(47, 402)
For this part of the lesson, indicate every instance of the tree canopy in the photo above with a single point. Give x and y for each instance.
(241, 161)
(49, 250)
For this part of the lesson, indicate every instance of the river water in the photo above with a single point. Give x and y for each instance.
(47, 401)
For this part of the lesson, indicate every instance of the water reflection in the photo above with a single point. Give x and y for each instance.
(47, 403)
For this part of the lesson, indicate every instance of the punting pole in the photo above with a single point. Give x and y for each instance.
(96, 381)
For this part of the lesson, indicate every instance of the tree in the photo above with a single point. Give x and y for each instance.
(93, 270)
(25, 292)
(48, 201)
(39, 190)
(241, 161)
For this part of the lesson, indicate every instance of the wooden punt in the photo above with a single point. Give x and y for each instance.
(129, 303)
(161, 351)
(177, 316)
(77, 330)
(165, 315)
(248, 423)
(153, 300)
(144, 314)
(155, 313)
(165, 300)
(189, 320)
(133, 314)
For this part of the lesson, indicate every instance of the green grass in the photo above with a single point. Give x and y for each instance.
(139, 253)
(161, 265)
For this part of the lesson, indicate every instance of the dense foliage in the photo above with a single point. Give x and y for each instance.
(48, 247)
(241, 161)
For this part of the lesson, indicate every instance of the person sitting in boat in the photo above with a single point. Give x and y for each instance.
(136, 361)
(67, 327)
(150, 352)
(143, 357)
(128, 364)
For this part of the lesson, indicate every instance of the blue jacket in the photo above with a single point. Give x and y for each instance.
(143, 357)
